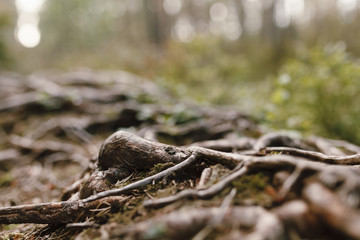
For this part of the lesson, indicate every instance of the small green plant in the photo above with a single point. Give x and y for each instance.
(319, 92)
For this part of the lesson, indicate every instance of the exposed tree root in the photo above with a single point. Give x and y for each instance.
(309, 186)
(141, 183)
(330, 209)
(202, 194)
(343, 160)
(128, 152)
(238, 222)
(56, 213)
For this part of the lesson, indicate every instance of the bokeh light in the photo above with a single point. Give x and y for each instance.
(27, 31)
(28, 35)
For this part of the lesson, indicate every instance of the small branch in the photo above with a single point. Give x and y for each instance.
(83, 225)
(204, 178)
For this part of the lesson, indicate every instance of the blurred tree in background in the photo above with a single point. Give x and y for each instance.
(212, 51)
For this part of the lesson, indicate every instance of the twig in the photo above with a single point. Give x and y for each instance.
(83, 225)
(204, 178)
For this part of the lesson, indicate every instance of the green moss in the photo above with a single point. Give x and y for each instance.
(161, 167)
(256, 182)
(145, 98)
(251, 189)
(6, 179)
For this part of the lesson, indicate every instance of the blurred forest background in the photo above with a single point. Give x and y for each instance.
(291, 63)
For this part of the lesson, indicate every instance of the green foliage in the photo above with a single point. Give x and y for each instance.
(319, 92)
(5, 59)
(204, 70)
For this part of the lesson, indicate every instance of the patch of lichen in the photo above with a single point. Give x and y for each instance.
(251, 189)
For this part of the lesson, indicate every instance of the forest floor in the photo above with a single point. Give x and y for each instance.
(108, 155)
